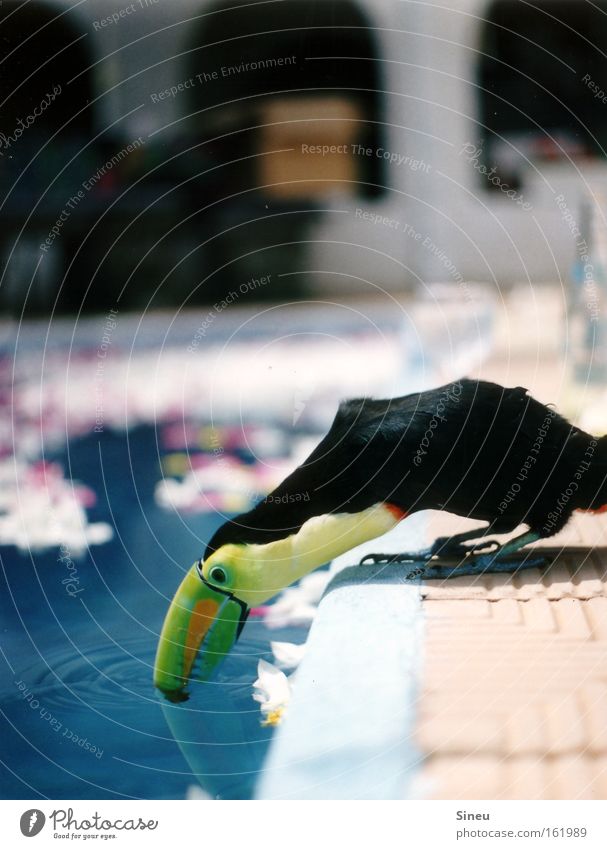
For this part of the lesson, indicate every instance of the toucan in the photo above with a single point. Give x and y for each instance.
(469, 447)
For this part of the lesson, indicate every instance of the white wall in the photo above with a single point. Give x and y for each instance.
(487, 235)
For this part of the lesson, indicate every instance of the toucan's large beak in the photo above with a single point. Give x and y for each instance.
(199, 614)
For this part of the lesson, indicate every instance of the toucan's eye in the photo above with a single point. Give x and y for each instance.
(218, 574)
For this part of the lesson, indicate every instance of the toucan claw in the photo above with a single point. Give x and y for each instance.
(481, 565)
(472, 561)
(452, 553)
(451, 547)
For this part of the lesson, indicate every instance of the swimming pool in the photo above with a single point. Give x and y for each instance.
(82, 719)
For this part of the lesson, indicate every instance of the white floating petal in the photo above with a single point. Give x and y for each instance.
(287, 655)
(272, 688)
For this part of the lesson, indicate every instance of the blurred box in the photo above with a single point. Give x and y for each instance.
(315, 136)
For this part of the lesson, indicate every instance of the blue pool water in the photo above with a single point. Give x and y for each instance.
(81, 718)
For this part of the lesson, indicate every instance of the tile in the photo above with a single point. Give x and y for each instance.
(514, 686)
(593, 696)
(565, 720)
(523, 777)
(538, 615)
(506, 610)
(571, 618)
(596, 612)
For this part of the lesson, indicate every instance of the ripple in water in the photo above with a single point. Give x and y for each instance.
(102, 676)
(98, 675)
(218, 729)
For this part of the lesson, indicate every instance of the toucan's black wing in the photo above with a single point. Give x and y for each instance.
(457, 447)
(344, 473)
(365, 458)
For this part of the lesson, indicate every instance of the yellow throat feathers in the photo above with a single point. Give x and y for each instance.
(264, 570)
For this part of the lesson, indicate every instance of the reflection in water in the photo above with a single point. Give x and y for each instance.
(218, 729)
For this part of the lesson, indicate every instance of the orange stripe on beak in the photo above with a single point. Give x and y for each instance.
(204, 613)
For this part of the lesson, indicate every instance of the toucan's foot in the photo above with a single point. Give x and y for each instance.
(403, 557)
(445, 559)
(443, 548)
(448, 547)
(453, 547)
(448, 552)
(483, 564)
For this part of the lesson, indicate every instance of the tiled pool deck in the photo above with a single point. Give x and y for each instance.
(513, 696)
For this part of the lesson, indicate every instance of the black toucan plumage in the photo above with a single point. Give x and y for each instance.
(470, 447)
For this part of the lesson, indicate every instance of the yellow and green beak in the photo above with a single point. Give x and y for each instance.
(200, 628)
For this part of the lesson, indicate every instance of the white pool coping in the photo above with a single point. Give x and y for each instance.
(348, 732)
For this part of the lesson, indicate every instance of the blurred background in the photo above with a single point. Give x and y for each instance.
(218, 141)
(216, 220)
